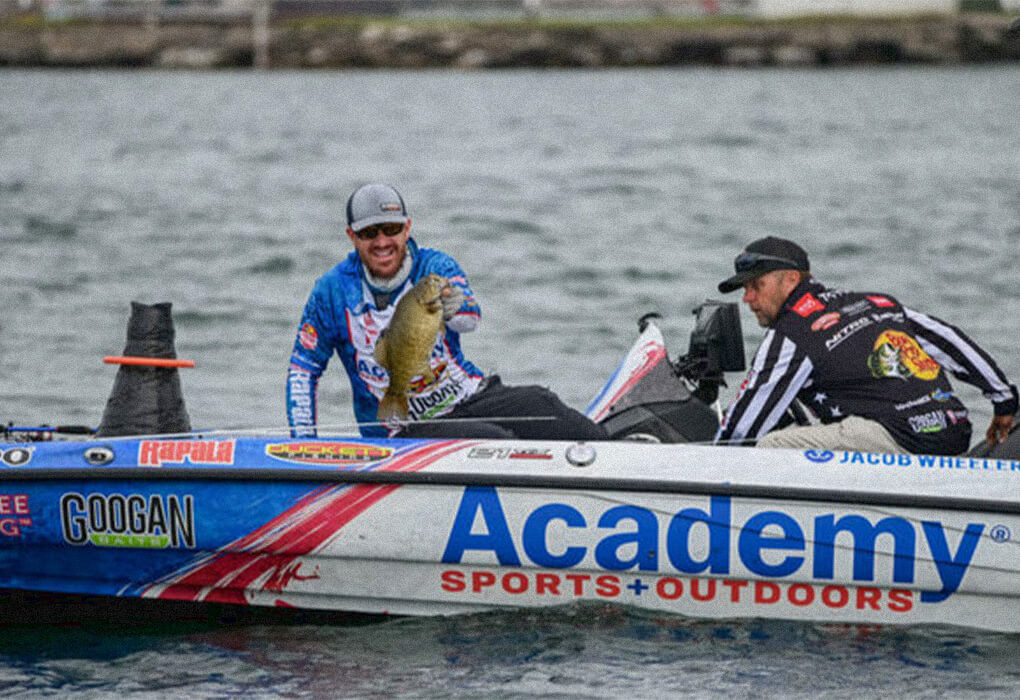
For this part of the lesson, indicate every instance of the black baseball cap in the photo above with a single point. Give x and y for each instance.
(765, 255)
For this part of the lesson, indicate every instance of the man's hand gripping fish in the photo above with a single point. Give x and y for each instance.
(405, 347)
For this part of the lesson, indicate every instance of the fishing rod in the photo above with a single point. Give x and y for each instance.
(45, 430)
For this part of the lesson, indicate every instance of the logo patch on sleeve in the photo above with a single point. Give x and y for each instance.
(807, 305)
(308, 337)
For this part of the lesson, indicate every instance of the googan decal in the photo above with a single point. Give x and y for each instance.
(132, 520)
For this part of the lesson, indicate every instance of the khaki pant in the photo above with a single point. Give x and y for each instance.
(851, 433)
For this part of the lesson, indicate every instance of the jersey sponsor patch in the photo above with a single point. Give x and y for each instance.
(807, 305)
(825, 321)
(896, 354)
(882, 302)
(308, 337)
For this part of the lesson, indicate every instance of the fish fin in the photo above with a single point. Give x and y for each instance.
(393, 405)
(380, 351)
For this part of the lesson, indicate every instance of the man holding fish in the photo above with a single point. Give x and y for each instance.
(394, 313)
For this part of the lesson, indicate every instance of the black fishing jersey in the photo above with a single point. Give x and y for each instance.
(863, 354)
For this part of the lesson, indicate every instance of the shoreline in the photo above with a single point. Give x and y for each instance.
(362, 42)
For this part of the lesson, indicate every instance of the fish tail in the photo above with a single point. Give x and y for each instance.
(393, 405)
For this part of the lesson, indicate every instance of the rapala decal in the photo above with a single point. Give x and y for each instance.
(15, 514)
(133, 520)
(156, 453)
(767, 543)
(16, 456)
(329, 453)
(807, 305)
(896, 354)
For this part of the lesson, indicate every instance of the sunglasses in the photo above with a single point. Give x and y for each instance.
(370, 232)
(746, 262)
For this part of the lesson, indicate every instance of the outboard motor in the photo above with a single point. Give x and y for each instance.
(651, 398)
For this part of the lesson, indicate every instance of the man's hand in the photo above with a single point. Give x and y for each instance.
(998, 431)
(452, 298)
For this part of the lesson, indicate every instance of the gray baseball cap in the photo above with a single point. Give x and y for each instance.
(375, 203)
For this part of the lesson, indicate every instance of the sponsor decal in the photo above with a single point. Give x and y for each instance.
(116, 520)
(422, 382)
(825, 321)
(882, 302)
(956, 416)
(769, 543)
(819, 456)
(390, 206)
(896, 354)
(807, 305)
(831, 294)
(931, 461)
(508, 453)
(930, 422)
(672, 588)
(896, 316)
(919, 401)
(299, 383)
(156, 453)
(308, 337)
(858, 307)
(330, 453)
(847, 331)
(432, 403)
(15, 514)
(16, 456)
(938, 396)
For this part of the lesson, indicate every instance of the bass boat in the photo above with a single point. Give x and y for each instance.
(437, 527)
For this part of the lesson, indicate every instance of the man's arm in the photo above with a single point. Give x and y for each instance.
(308, 360)
(778, 372)
(952, 349)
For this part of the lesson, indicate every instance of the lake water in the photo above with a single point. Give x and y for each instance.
(576, 201)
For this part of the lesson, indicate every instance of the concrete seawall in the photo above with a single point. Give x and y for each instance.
(394, 43)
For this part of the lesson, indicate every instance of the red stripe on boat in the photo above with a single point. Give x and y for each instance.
(302, 529)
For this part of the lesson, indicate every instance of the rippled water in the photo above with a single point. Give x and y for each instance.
(579, 651)
(576, 201)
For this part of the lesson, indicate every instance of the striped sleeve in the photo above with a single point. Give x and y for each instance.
(780, 369)
(952, 349)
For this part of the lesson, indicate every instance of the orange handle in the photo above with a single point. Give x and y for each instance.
(147, 361)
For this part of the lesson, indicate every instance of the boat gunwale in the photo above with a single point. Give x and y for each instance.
(526, 481)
